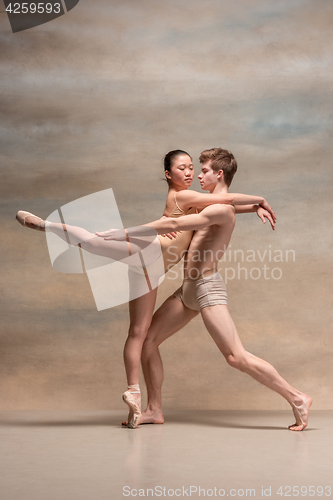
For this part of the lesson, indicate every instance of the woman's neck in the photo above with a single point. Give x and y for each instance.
(176, 188)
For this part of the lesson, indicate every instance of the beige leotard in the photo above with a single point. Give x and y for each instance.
(174, 249)
(171, 250)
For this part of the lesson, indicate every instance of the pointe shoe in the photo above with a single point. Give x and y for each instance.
(135, 412)
(38, 224)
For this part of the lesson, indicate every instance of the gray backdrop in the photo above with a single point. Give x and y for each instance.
(93, 100)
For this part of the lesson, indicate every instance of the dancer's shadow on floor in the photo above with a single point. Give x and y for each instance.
(223, 419)
(211, 418)
(106, 419)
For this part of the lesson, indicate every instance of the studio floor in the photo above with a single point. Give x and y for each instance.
(86, 455)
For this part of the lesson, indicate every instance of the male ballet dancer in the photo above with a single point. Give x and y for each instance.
(203, 290)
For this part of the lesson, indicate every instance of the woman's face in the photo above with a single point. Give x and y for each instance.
(182, 172)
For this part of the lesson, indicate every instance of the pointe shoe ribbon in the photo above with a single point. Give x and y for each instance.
(38, 224)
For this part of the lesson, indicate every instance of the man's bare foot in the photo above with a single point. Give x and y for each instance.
(133, 401)
(149, 417)
(152, 417)
(301, 412)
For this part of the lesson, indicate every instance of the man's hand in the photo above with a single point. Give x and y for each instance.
(124, 234)
(113, 234)
(262, 213)
(171, 236)
(269, 209)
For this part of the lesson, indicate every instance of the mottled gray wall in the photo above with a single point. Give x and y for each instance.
(93, 100)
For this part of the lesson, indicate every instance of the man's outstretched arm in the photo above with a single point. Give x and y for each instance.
(208, 217)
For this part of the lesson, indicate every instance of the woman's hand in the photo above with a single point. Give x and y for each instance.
(269, 209)
(262, 213)
(113, 234)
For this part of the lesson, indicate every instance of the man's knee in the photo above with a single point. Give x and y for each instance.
(149, 344)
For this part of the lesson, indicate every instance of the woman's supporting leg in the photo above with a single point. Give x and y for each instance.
(141, 312)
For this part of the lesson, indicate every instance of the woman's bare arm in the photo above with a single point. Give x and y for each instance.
(261, 212)
(189, 198)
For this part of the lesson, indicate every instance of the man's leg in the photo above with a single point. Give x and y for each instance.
(223, 331)
(167, 320)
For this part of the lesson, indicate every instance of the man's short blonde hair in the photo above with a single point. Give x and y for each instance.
(222, 159)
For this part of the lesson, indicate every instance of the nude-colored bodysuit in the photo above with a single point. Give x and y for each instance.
(174, 249)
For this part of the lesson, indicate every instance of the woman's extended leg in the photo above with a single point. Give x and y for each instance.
(126, 251)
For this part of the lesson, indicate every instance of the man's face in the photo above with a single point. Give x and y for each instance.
(207, 177)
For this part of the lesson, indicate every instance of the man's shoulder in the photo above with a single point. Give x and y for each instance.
(218, 209)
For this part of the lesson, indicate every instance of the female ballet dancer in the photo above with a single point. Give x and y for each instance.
(180, 201)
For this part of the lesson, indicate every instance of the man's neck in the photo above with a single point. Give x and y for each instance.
(220, 188)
